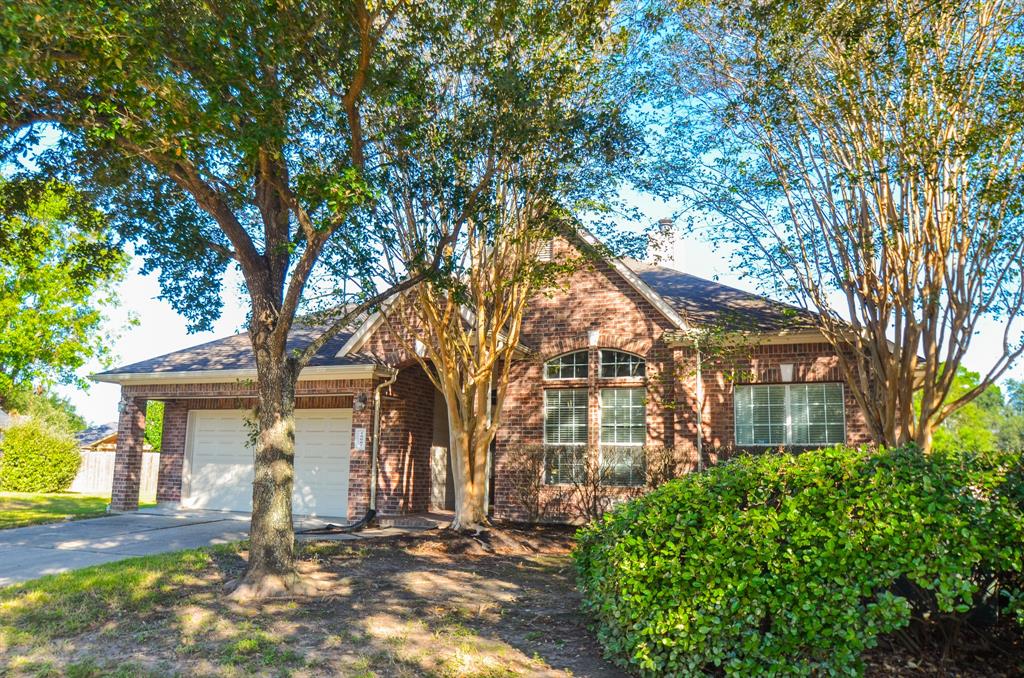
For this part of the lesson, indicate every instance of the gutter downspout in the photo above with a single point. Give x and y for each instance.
(375, 445)
(700, 412)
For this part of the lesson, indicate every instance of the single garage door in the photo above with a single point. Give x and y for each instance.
(219, 474)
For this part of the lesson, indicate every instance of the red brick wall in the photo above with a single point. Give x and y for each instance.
(131, 431)
(406, 434)
(558, 321)
(172, 451)
(599, 299)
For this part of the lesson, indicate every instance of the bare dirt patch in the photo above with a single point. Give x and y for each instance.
(434, 604)
(995, 651)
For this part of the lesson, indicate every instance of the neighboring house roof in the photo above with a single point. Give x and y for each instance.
(234, 354)
(705, 302)
(96, 434)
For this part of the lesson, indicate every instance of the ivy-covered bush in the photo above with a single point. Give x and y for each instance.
(35, 458)
(795, 564)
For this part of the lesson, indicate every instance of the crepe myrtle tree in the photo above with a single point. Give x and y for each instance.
(223, 134)
(865, 159)
(523, 135)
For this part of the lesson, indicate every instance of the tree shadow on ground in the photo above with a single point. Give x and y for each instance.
(435, 605)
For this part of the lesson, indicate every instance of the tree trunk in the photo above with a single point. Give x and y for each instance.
(924, 437)
(271, 570)
(469, 458)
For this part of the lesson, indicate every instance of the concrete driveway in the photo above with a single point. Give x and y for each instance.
(31, 552)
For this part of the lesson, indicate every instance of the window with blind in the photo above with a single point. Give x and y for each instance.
(623, 433)
(565, 435)
(790, 414)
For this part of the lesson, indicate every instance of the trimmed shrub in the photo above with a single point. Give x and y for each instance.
(34, 458)
(794, 564)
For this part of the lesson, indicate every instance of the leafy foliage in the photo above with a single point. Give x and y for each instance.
(795, 564)
(36, 458)
(1015, 395)
(154, 424)
(985, 424)
(53, 411)
(59, 264)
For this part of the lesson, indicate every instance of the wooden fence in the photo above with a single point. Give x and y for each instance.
(96, 474)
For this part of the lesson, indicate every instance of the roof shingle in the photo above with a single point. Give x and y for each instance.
(705, 302)
(235, 353)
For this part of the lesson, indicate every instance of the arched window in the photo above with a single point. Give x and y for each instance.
(573, 365)
(621, 364)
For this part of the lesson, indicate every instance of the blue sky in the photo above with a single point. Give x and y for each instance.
(160, 330)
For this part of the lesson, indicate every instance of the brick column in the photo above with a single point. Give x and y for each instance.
(131, 430)
(359, 460)
(172, 452)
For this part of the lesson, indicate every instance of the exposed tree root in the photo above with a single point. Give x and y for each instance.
(469, 526)
(261, 585)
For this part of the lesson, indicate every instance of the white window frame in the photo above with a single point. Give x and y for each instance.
(602, 443)
(544, 372)
(632, 377)
(789, 414)
(548, 445)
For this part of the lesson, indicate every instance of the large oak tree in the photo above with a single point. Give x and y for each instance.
(226, 133)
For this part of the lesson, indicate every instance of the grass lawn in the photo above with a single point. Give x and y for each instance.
(430, 605)
(18, 509)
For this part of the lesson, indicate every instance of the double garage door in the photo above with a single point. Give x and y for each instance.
(219, 469)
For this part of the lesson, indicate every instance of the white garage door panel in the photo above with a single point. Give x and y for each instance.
(220, 473)
(323, 441)
(221, 462)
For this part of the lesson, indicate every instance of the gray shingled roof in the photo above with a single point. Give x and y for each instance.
(704, 302)
(235, 353)
(700, 301)
(96, 433)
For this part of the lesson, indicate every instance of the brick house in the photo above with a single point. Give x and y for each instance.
(609, 372)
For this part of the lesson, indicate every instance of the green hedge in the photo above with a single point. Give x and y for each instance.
(34, 458)
(795, 564)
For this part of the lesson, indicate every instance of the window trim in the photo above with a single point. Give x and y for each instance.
(544, 367)
(544, 432)
(789, 416)
(632, 377)
(601, 444)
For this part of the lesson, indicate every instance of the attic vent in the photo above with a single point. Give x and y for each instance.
(546, 251)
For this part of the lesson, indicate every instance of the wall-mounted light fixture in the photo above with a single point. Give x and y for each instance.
(786, 371)
(420, 348)
(359, 402)
(594, 336)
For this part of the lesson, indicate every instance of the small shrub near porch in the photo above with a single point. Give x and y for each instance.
(796, 564)
(35, 458)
